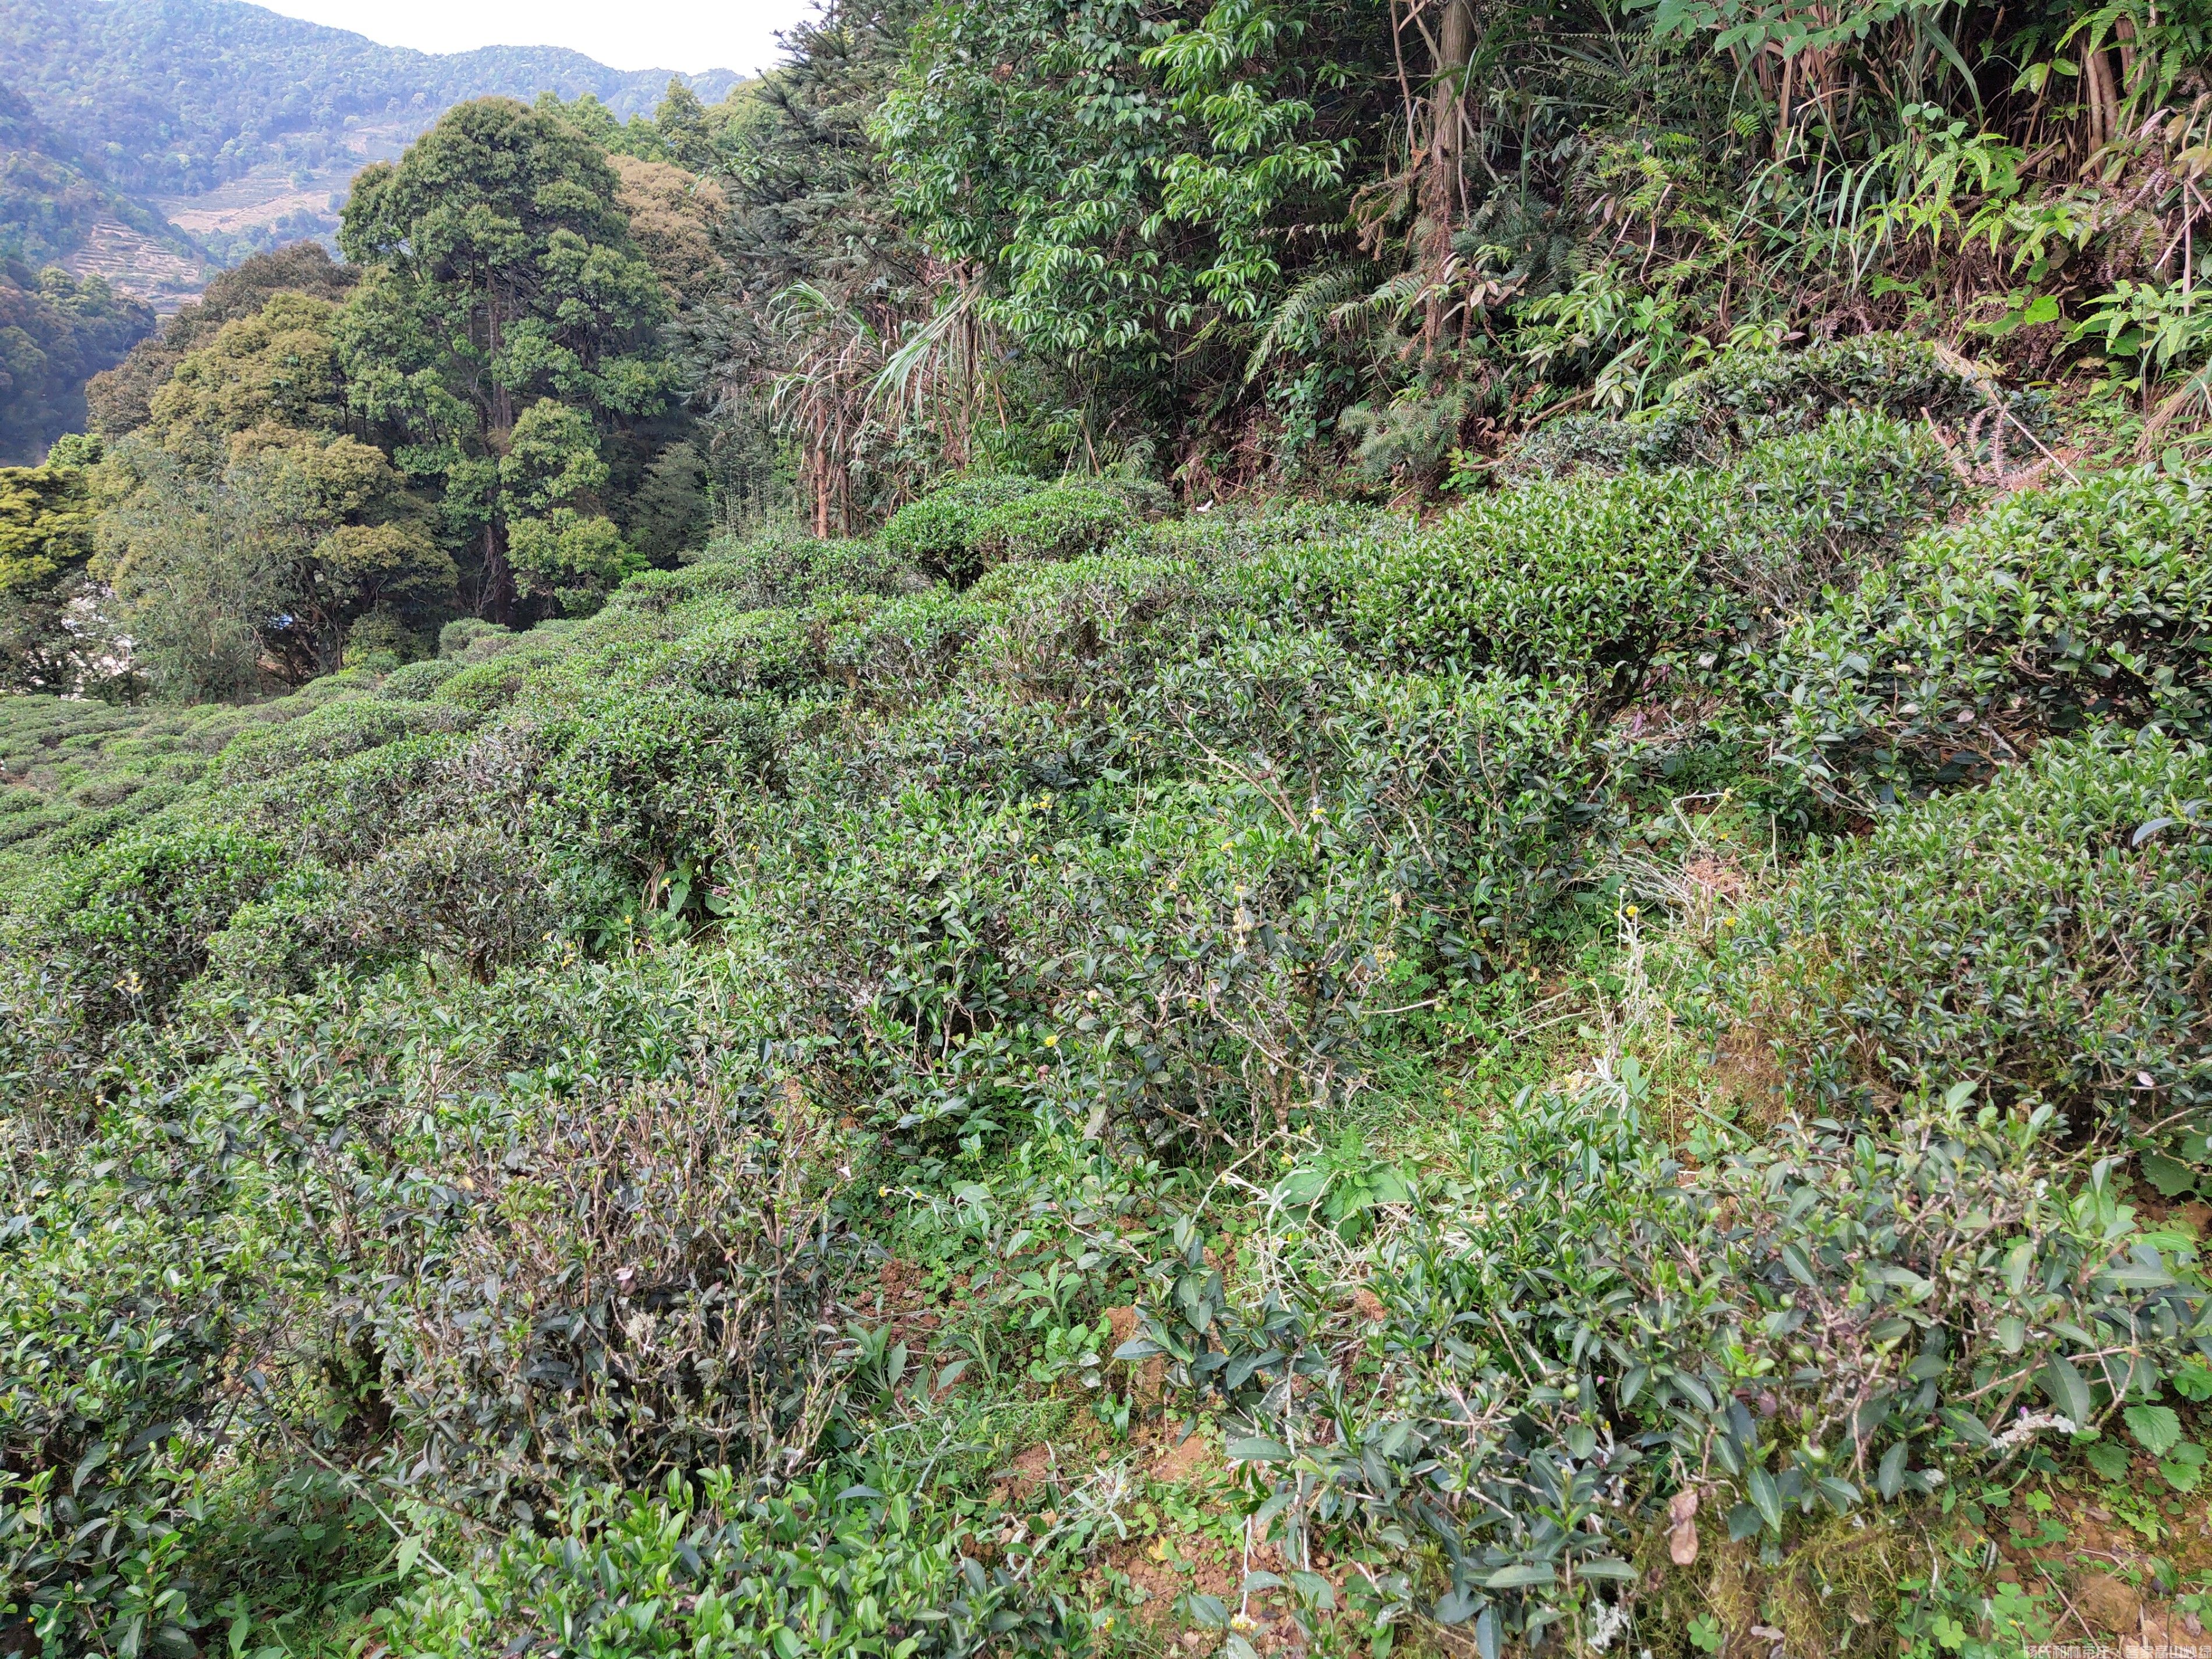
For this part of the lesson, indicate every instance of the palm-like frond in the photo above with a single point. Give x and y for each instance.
(1312, 302)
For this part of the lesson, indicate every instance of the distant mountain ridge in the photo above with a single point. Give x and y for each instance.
(237, 126)
(173, 98)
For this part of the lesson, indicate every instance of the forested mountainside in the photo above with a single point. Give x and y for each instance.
(59, 328)
(170, 98)
(1116, 830)
(51, 203)
(146, 143)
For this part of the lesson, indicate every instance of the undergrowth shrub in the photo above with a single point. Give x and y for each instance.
(2086, 603)
(1587, 1344)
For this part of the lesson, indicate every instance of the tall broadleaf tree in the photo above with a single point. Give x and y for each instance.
(46, 541)
(501, 276)
(1137, 184)
(247, 532)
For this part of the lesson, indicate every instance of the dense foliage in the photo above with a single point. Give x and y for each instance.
(55, 331)
(621, 1131)
(1254, 828)
(117, 113)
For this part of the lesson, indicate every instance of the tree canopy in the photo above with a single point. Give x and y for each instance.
(500, 278)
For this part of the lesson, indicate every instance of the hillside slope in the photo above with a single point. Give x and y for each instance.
(232, 120)
(1626, 1067)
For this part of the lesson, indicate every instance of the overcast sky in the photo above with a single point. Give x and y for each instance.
(630, 34)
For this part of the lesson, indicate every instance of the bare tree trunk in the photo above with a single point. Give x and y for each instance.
(1443, 186)
(498, 598)
(2103, 115)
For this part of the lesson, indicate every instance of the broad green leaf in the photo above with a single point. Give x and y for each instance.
(2157, 1429)
(1765, 1498)
(1605, 1566)
(2109, 1458)
(1256, 1449)
(1520, 1578)
(1889, 1479)
(2068, 1390)
(1210, 1611)
(2186, 1467)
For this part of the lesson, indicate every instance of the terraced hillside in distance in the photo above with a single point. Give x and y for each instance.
(243, 128)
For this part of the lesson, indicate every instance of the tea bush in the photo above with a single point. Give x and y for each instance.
(1601, 577)
(647, 1126)
(1065, 521)
(127, 926)
(1221, 536)
(1747, 397)
(334, 730)
(777, 568)
(129, 1288)
(613, 1280)
(471, 639)
(1579, 1328)
(940, 533)
(2044, 936)
(285, 1257)
(2081, 603)
(705, 1574)
(1752, 396)
(415, 681)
